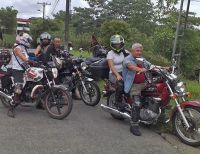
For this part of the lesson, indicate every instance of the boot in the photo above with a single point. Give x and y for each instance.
(135, 130)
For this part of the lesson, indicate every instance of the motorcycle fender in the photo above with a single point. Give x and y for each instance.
(89, 79)
(35, 89)
(185, 104)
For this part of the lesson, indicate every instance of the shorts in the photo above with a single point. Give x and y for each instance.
(18, 76)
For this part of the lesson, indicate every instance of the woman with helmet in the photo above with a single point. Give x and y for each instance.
(45, 40)
(19, 62)
(115, 59)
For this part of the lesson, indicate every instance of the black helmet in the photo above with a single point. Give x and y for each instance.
(45, 38)
(117, 39)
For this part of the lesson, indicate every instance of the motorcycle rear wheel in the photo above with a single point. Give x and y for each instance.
(111, 103)
(191, 136)
(57, 108)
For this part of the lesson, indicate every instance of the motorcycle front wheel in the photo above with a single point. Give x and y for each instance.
(58, 103)
(92, 96)
(189, 136)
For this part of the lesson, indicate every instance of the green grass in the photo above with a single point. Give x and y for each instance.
(194, 88)
(85, 54)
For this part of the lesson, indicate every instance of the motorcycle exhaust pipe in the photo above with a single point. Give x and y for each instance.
(5, 96)
(116, 112)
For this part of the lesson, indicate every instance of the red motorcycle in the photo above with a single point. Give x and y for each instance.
(162, 87)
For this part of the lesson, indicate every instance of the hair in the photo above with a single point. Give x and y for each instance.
(56, 37)
(137, 45)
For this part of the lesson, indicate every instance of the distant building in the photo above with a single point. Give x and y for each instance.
(23, 25)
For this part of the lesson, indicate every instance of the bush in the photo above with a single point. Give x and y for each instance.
(8, 41)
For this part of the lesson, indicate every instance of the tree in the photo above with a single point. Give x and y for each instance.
(114, 27)
(8, 19)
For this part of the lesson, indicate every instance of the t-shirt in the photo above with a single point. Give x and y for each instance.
(139, 78)
(15, 64)
(117, 60)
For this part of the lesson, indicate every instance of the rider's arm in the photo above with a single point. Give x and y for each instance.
(19, 54)
(37, 50)
(133, 67)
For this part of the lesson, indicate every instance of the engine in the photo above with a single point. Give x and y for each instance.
(150, 109)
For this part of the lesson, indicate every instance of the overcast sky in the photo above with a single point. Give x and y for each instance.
(28, 8)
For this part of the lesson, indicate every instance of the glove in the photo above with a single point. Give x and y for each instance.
(32, 63)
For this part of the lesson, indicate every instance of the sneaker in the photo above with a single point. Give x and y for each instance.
(135, 130)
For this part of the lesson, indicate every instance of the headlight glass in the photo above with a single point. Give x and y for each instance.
(180, 87)
(83, 65)
(55, 72)
(172, 77)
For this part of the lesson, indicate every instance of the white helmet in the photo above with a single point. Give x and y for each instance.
(24, 39)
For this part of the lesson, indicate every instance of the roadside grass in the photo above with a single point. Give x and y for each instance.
(85, 54)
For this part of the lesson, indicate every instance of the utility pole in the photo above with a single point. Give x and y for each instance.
(44, 6)
(67, 18)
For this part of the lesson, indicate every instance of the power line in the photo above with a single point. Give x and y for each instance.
(56, 4)
(52, 8)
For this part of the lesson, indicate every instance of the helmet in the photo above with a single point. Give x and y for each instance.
(45, 36)
(5, 57)
(24, 39)
(115, 40)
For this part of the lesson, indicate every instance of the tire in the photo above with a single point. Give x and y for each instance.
(111, 103)
(5, 102)
(48, 104)
(178, 123)
(93, 90)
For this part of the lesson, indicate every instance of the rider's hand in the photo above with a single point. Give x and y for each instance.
(32, 63)
(142, 70)
(119, 77)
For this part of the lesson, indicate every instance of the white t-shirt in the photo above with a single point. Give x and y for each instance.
(117, 60)
(15, 64)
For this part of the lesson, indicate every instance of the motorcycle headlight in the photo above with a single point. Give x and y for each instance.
(55, 72)
(180, 87)
(83, 66)
(172, 77)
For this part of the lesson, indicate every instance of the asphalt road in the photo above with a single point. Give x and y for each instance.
(87, 130)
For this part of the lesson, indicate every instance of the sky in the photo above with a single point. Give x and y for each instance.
(29, 8)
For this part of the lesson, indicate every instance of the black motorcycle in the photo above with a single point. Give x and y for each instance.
(76, 78)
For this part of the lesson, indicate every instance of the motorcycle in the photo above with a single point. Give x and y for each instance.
(74, 76)
(162, 87)
(38, 87)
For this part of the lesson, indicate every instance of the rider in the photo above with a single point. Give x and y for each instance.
(45, 40)
(134, 82)
(115, 58)
(130, 68)
(19, 61)
(53, 49)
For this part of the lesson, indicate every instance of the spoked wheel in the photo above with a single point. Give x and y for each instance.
(189, 136)
(92, 96)
(111, 103)
(58, 103)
